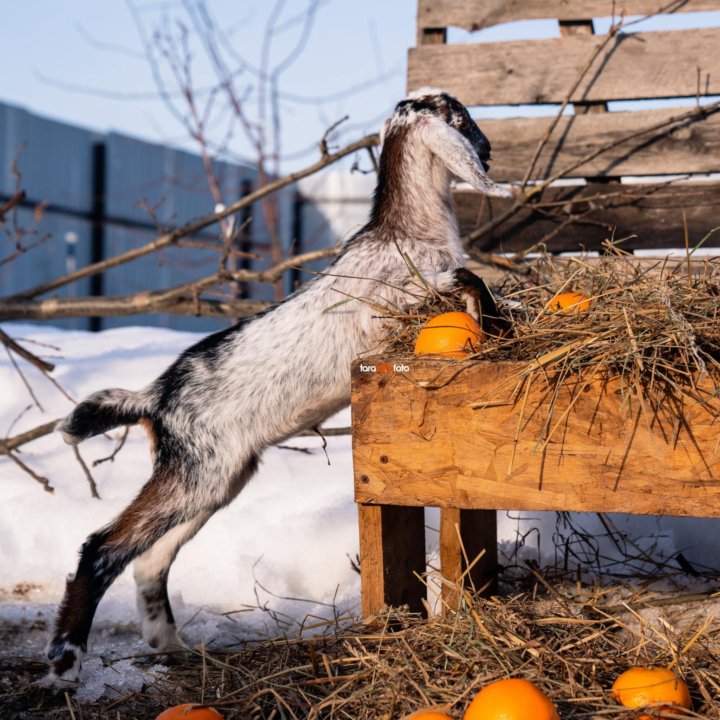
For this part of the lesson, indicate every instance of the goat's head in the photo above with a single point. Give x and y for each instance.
(443, 125)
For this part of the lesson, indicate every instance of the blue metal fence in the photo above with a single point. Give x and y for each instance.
(94, 186)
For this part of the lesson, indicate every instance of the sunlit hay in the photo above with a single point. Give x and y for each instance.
(652, 324)
(573, 646)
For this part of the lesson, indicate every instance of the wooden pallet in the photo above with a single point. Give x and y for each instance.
(452, 434)
(679, 63)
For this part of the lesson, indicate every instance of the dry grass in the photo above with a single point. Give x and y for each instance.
(573, 645)
(652, 324)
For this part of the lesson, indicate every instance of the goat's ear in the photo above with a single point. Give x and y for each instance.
(458, 155)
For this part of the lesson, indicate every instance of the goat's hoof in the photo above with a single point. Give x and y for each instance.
(65, 662)
(162, 637)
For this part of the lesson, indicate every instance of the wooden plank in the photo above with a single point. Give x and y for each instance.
(477, 15)
(451, 557)
(372, 585)
(691, 147)
(475, 533)
(432, 36)
(417, 441)
(392, 550)
(643, 65)
(653, 214)
(582, 27)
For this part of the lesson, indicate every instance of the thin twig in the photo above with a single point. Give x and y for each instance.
(86, 470)
(39, 478)
(614, 29)
(25, 354)
(9, 444)
(535, 190)
(118, 448)
(15, 200)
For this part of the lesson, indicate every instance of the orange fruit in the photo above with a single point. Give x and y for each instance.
(641, 686)
(189, 711)
(511, 699)
(452, 334)
(428, 715)
(570, 302)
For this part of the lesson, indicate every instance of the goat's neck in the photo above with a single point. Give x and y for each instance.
(413, 198)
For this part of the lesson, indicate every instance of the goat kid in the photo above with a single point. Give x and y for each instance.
(210, 415)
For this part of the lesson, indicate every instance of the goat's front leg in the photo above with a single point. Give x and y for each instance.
(151, 577)
(479, 301)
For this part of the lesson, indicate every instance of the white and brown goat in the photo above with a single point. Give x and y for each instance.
(223, 401)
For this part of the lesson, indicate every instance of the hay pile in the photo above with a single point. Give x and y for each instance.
(652, 324)
(573, 646)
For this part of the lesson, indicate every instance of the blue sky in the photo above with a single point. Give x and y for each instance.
(82, 61)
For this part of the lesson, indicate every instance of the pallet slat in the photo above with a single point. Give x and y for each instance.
(420, 445)
(656, 220)
(392, 557)
(477, 15)
(693, 147)
(468, 536)
(643, 65)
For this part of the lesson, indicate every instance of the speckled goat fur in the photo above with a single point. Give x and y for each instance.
(223, 401)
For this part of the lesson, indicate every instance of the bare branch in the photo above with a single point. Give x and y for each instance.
(39, 478)
(16, 199)
(182, 299)
(651, 132)
(9, 444)
(118, 447)
(194, 226)
(86, 471)
(328, 132)
(25, 354)
(612, 34)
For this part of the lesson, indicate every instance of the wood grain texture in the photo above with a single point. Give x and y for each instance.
(372, 584)
(474, 15)
(467, 535)
(643, 65)
(392, 550)
(437, 451)
(651, 216)
(692, 146)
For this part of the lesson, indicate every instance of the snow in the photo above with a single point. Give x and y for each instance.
(280, 554)
(291, 530)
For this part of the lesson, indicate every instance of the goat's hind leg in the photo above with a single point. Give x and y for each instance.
(151, 575)
(159, 507)
(153, 567)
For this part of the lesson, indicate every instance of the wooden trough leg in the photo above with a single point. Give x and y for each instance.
(473, 531)
(392, 550)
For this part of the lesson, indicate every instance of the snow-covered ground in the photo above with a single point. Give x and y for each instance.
(283, 547)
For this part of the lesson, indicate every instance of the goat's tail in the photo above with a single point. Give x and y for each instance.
(103, 411)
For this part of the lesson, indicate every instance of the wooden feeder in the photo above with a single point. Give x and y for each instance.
(458, 435)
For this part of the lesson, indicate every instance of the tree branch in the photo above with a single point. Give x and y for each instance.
(179, 300)
(9, 444)
(194, 226)
(11, 203)
(11, 344)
